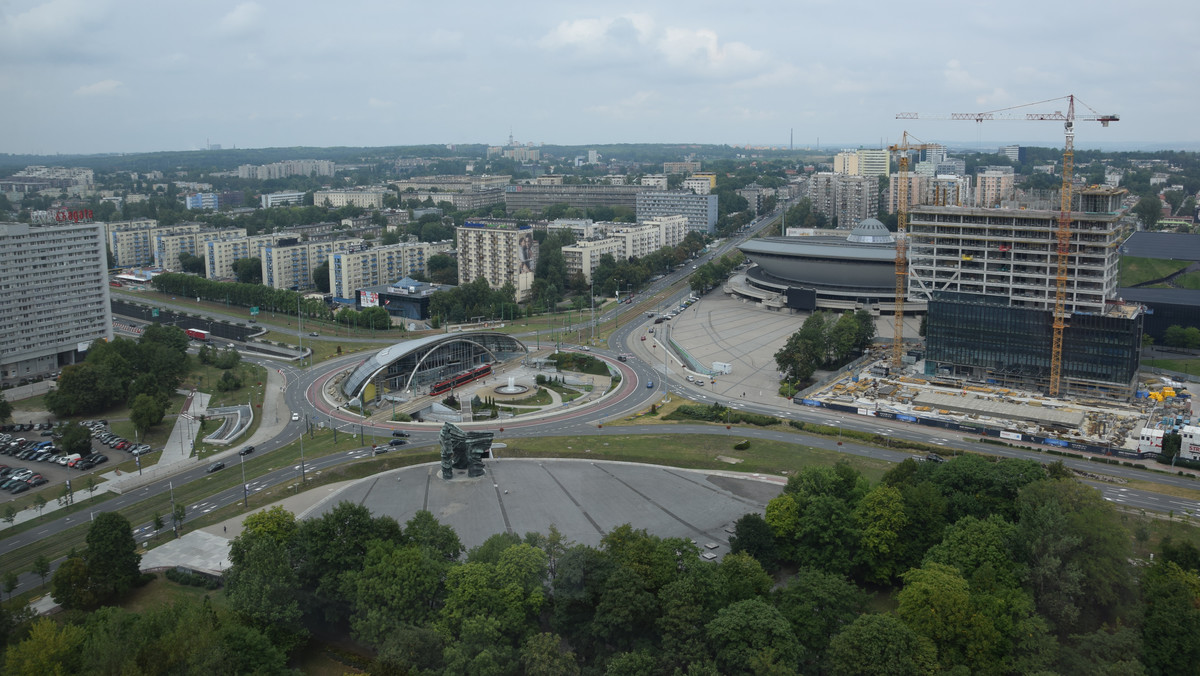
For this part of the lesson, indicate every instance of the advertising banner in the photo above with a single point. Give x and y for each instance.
(368, 299)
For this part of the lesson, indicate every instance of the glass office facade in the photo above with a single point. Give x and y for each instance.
(981, 338)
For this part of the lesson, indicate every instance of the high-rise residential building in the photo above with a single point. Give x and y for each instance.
(935, 153)
(350, 271)
(700, 210)
(535, 198)
(202, 200)
(848, 199)
(54, 289)
(989, 276)
(697, 184)
(220, 254)
(267, 172)
(689, 167)
(134, 243)
(873, 162)
(279, 199)
(169, 245)
(623, 242)
(500, 253)
(366, 198)
(948, 191)
(291, 266)
(584, 256)
(846, 162)
(1013, 153)
(917, 189)
(993, 186)
(655, 181)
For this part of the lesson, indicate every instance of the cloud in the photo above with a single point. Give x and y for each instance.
(59, 30)
(636, 38)
(101, 88)
(243, 20)
(379, 103)
(638, 106)
(958, 78)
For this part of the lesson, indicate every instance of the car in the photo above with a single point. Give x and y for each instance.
(98, 458)
(246, 451)
(691, 378)
(397, 442)
(21, 487)
(314, 334)
(215, 467)
(295, 417)
(622, 357)
(649, 384)
(586, 348)
(36, 481)
(699, 383)
(142, 451)
(643, 337)
(399, 433)
(935, 458)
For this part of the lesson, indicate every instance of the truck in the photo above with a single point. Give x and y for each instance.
(197, 334)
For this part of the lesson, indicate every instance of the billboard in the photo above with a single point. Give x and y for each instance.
(527, 250)
(368, 299)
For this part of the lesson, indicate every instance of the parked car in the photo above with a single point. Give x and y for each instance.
(98, 458)
(215, 467)
(37, 480)
(314, 334)
(21, 487)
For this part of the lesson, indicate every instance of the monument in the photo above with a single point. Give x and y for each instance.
(463, 449)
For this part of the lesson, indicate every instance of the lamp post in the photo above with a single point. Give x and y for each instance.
(245, 488)
(303, 476)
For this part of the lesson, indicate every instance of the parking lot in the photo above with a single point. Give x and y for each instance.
(33, 449)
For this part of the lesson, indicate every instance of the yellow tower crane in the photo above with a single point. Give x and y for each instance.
(904, 148)
(1064, 215)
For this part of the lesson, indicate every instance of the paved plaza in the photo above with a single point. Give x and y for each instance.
(583, 499)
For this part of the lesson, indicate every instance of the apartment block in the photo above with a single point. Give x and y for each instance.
(202, 200)
(697, 184)
(500, 253)
(54, 288)
(993, 186)
(624, 242)
(681, 167)
(535, 198)
(452, 183)
(267, 172)
(473, 199)
(654, 181)
(350, 271)
(133, 243)
(281, 199)
(873, 162)
(700, 210)
(169, 245)
(848, 199)
(220, 254)
(366, 198)
(584, 257)
(918, 186)
(288, 266)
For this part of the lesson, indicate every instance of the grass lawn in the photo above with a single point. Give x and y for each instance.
(326, 347)
(1138, 270)
(162, 591)
(1181, 365)
(1189, 281)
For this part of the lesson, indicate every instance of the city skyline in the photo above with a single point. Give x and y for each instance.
(105, 76)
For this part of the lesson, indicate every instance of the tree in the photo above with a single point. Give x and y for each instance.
(1172, 620)
(191, 263)
(178, 514)
(10, 514)
(71, 585)
(76, 439)
(158, 522)
(39, 503)
(545, 655)
(1148, 210)
(398, 586)
(248, 270)
(880, 645)
(936, 604)
(11, 582)
(752, 535)
(881, 520)
(5, 408)
(262, 589)
(321, 275)
(818, 605)
(51, 649)
(752, 637)
(112, 559)
(146, 411)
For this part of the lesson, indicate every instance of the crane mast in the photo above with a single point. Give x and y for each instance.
(904, 147)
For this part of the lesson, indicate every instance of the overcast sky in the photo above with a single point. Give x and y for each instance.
(85, 76)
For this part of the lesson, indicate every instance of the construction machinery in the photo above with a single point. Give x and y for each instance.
(904, 148)
(1064, 215)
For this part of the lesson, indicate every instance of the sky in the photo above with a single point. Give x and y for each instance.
(92, 76)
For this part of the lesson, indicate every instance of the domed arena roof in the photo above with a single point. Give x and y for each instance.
(870, 231)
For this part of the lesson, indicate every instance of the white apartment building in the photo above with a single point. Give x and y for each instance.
(502, 254)
(697, 184)
(861, 162)
(849, 199)
(287, 267)
(220, 254)
(133, 243)
(54, 288)
(700, 210)
(624, 242)
(655, 181)
(1012, 254)
(846, 162)
(280, 199)
(267, 172)
(366, 198)
(584, 257)
(168, 245)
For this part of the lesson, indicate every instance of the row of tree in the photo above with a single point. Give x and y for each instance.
(243, 295)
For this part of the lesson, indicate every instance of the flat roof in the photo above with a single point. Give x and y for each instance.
(1175, 246)
(1001, 409)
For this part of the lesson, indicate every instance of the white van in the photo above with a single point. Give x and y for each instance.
(68, 458)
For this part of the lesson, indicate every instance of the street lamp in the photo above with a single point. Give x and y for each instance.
(245, 488)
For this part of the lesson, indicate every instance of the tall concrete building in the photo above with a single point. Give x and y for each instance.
(134, 243)
(367, 198)
(700, 210)
(993, 186)
(849, 199)
(54, 289)
(350, 271)
(169, 245)
(291, 266)
(688, 167)
(989, 276)
(220, 254)
(500, 253)
(861, 162)
(535, 198)
(280, 199)
(623, 242)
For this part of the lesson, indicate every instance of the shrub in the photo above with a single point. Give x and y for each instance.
(742, 445)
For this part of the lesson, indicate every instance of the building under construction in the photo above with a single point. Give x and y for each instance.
(989, 277)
